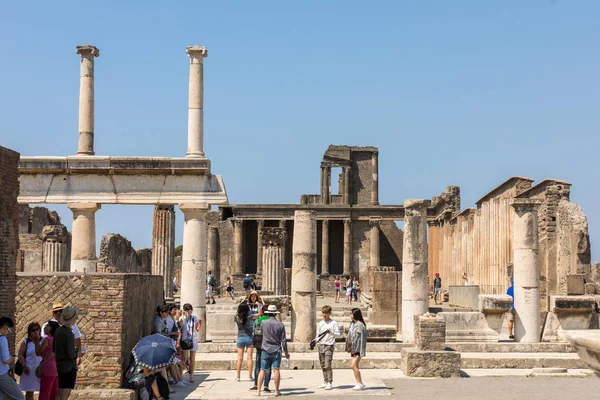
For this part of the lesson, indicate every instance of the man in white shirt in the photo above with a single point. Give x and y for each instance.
(327, 331)
(57, 309)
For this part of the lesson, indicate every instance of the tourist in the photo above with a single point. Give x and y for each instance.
(66, 353)
(356, 344)
(465, 279)
(511, 317)
(354, 289)
(257, 342)
(255, 303)
(49, 379)
(229, 288)
(252, 285)
(26, 354)
(246, 282)
(175, 284)
(437, 288)
(210, 288)
(357, 290)
(160, 324)
(348, 290)
(243, 319)
(338, 286)
(327, 331)
(57, 309)
(190, 327)
(8, 386)
(175, 334)
(274, 341)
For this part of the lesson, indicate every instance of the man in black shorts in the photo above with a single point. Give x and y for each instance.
(65, 353)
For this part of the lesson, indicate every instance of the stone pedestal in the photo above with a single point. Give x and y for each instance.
(193, 261)
(163, 246)
(196, 101)
(325, 248)
(386, 299)
(494, 307)
(415, 295)
(273, 279)
(83, 246)
(526, 270)
(238, 254)
(348, 248)
(374, 250)
(304, 277)
(86, 99)
(421, 363)
(430, 332)
(54, 254)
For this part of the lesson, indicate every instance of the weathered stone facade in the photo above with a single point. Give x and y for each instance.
(116, 310)
(117, 255)
(9, 231)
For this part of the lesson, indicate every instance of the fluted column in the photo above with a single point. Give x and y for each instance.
(213, 251)
(375, 181)
(415, 294)
(86, 99)
(273, 240)
(325, 183)
(526, 266)
(304, 276)
(347, 247)
(193, 261)
(374, 249)
(346, 195)
(238, 255)
(196, 101)
(325, 248)
(54, 252)
(259, 248)
(83, 245)
(163, 246)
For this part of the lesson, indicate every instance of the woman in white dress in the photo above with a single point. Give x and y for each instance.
(29, 383)
(190, 327)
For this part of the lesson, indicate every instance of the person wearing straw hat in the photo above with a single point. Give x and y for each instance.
(57, 309)
(65, 353)
(274, 341)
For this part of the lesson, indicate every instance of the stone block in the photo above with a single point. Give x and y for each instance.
(590, 289)
(575, 284)
(422, 363)
(464, 296)
(430, 332)
(494, 307)
(568, 313)
(468, 327)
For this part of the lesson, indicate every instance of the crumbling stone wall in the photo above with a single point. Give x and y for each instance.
(117, 255)
(573, 242)
(9, 231)
(116, 310)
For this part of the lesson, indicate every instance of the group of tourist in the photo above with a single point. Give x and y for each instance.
(46, 359)
(258, 328)
(351, 288)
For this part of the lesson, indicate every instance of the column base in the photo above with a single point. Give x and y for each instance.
(196, 155)
(84, 265)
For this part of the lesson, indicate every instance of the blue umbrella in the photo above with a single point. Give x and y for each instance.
(154, 351)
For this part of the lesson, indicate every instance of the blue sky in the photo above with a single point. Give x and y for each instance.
(462, 93)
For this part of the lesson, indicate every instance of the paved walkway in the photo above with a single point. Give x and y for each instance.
(504, 384)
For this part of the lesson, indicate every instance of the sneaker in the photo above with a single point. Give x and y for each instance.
(267, 390)
(329, 386)
(253, 388)
(250, 379)
(277, 393)
(171, 389)
(214, 302)
(322, 386)
(511, 337)
(180, 384)
(237, 379)
(359, 386)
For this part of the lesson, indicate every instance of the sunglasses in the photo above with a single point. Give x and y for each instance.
(36, 330)
(57, 312)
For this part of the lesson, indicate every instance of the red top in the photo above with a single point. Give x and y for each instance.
(49, 367)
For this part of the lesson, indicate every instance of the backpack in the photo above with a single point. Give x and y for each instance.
(211, 281)
(246, 283)
(257, 337)
(135, 376)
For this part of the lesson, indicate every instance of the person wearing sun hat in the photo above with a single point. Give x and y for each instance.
(65, 352)
(273, 344)
(57, 309)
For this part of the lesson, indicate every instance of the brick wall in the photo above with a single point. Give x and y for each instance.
(9, 230)
(116, 310)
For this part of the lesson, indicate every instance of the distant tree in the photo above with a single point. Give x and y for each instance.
(178, 250)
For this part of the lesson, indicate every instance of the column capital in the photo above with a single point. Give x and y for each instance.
(525, 204)
(194, 208)
(214, 227)
(282, 223)
(196, 52)
(325, 222)
(347, 222)
(84, 206)
(273, 236)
(57, 233)
(237, 223)
(260, 222)
(87, 51)
(375, 222)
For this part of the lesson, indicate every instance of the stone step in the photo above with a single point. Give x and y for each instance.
(511, 347)
(521, 360)
(295, 347)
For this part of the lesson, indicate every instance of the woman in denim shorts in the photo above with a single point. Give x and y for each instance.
(244, 321)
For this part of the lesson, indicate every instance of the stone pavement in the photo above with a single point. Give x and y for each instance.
(496, 384)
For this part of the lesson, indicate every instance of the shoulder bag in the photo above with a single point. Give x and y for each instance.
(18, 370)
(188, 343)
(38, 369)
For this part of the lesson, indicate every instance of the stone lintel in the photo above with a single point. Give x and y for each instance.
(416, 203)
(525, 204)
(87, 50)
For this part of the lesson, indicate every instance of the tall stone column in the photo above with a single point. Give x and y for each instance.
(415, 296)
(193, 261)
(259, 248)
(54, 254)
(273, 240)
(526, 270)
(86, 99)
(374, 250)
(346, 194)
(213, 251)
(304, 277)
(375, 182)
(347, 247)
(83, 245)
(325, 183)
(325, 248)
(196, 101)
(163, 246)
(238, 254)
